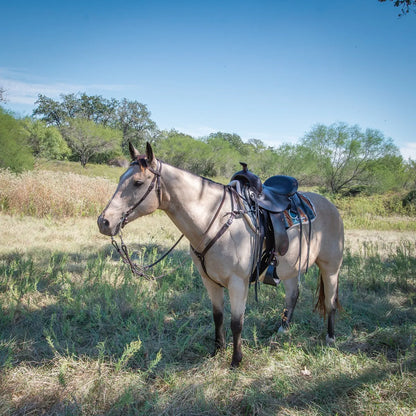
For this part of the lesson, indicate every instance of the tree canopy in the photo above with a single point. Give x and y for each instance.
(87, 139)
(345, 155)
(405, 5)
(338, 158)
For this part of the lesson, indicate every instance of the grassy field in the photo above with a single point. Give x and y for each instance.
(80, 336)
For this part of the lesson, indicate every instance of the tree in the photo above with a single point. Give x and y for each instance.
(133, 119)
(94, 107)
(45, 141)
(15, 153)
(187, 153)
(87, 139)
(233, 139)
(343, 154)
(2, 95)
(405, 5)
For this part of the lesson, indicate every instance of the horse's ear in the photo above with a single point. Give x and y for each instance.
(133, 152)
(149, 154)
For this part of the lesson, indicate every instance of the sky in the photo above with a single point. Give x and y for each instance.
(269, 70)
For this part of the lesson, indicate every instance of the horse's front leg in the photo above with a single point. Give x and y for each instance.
(291, 297)
(238, 297)
(216, 294)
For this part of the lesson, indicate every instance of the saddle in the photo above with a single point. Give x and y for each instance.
(267, 205)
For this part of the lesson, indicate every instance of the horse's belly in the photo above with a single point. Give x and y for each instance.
(288, 265)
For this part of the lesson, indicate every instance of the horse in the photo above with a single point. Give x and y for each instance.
(202, 210)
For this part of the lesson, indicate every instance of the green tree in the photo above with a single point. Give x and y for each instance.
(46, 141)
(2, 95)
(387, 173)
(184, 151)
(94, 107)
(343, 154)
(234, 140)
(405, 5)
(88, 139)
(226, 156)
(133, 119)
(52, 111)
(15, 153)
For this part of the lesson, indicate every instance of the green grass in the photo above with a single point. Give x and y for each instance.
(79, 335)
(91, 169)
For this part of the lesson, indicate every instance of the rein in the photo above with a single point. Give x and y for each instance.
(135, 268)
(122, 249)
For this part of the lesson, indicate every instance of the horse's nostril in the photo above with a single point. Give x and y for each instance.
(106, 223)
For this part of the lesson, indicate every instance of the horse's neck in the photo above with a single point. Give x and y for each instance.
(190, 201)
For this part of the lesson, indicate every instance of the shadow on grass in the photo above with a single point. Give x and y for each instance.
(89, 305)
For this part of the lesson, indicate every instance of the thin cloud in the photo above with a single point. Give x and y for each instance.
(26, 91)
(409, 150)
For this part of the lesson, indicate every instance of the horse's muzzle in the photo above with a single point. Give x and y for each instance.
(105, 226)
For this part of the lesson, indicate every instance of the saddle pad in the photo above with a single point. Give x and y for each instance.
(305, 208)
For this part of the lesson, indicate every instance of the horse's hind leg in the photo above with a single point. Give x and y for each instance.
(291, 297)
(328, 303)
(216, 294)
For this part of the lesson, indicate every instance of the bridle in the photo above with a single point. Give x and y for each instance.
(142, 162)
(122, 248)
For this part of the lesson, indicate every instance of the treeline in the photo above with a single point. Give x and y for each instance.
(338, 158)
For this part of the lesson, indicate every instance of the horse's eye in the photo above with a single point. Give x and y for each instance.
(138, 183)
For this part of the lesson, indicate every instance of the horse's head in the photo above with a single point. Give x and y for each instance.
(137, 193)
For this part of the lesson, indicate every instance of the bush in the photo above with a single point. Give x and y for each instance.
(15, 153)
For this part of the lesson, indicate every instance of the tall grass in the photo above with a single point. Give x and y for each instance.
(62, 193)
(46, 193)
(377, 212)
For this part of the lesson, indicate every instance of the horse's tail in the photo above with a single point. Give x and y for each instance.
(320, 303)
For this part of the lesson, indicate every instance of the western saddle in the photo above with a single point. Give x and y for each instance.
(266, 204)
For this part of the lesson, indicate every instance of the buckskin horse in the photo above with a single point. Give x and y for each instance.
(223, 242)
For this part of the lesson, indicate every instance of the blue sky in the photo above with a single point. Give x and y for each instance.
(269, 70)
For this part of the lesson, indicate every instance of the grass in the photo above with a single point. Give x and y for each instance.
(80, 336)
(91, 170)
(46, 193)
(65, 189)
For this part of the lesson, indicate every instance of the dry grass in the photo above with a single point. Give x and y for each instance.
(45, 193)
(72, 316)
(80, 336)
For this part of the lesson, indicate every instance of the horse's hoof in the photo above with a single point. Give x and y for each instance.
(330, 341)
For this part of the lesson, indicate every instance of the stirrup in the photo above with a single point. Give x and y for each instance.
(271, 277)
